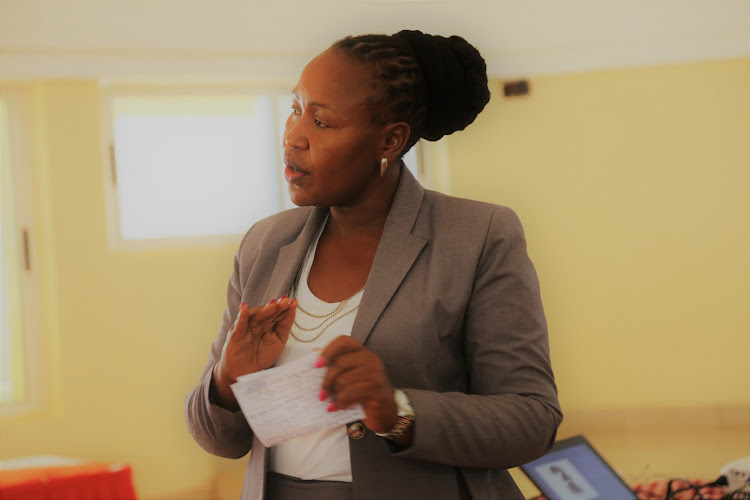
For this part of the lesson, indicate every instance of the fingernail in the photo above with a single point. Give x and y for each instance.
(323, 395)
(279, 299)
(283, 297)
(271, 302)
(320, 362)
(331, 407)
(242, 305)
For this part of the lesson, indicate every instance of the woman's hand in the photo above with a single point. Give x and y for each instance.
(254, 343)
(357, 375)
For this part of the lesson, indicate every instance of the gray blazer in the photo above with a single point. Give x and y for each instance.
(452, 307)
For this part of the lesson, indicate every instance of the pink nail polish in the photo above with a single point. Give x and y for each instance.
(271, 302)
(242, 305)
(320, 362)
(331, 407)
(323, 395)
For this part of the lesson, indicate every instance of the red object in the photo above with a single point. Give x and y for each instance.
(95, 481)
(658, 489)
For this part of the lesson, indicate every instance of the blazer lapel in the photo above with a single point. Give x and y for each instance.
(284, 271)
(397, 251)
(290, 257)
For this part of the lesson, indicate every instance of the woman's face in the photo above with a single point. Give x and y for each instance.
(332, 146)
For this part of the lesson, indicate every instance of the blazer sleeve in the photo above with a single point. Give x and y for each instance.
(217, 430)
(510, 414)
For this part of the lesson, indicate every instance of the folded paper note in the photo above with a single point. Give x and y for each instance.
(282, 403)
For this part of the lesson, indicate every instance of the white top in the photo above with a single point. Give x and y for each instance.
(323, 455)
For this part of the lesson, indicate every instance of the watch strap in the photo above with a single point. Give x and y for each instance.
(405, 418)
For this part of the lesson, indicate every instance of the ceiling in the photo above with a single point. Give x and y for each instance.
(269, 39)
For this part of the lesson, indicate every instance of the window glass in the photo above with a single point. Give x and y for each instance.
(191, 166)
(199, 165)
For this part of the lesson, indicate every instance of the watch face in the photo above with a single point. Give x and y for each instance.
(403, 404)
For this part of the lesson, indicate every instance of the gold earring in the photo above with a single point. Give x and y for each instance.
(383, 166)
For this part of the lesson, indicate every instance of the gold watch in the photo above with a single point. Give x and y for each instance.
(405, 417)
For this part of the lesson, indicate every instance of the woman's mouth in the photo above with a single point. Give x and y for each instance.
(292, 171)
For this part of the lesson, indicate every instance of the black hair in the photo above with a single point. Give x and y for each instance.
(437, 85)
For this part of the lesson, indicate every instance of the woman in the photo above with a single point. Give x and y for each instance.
(426, 307)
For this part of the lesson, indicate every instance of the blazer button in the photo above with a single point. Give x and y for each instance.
(356, 430)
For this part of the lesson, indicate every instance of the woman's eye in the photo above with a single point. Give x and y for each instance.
(320, 124)
(295, 111)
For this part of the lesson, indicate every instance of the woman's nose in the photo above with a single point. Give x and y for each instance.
(294, 136)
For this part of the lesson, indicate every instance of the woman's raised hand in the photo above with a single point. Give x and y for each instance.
(254, 343)
(357, 375)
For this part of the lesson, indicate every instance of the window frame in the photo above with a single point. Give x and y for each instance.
(17, 100)
(109, 92)
(424, 152)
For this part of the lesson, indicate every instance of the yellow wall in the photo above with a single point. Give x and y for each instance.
(633, 188)
(129, 331)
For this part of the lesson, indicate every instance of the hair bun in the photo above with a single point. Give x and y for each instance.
(455, 77)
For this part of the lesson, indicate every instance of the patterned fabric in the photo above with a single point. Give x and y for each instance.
(679, 487)
(657, 490)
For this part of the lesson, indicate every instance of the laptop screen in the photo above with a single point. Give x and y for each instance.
(573, 470)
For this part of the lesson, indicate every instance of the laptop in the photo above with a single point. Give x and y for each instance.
(573, 470)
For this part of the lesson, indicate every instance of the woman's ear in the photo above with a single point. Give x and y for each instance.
(396, 137)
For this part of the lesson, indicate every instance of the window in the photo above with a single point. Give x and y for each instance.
(11, 374)
(195, 164)
(18, 381)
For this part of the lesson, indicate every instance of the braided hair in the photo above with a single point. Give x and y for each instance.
(437, 85)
